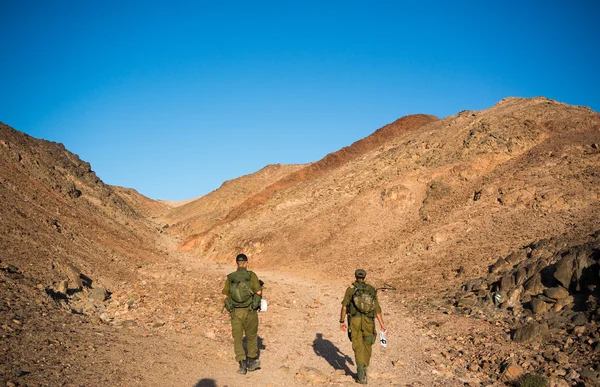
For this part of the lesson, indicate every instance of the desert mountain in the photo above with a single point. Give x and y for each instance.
(430, 198)
(486, 222)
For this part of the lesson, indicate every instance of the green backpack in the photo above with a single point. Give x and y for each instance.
(364, 298)
(240, 289)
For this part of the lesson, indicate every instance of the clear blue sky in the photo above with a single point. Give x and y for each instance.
(174, 97)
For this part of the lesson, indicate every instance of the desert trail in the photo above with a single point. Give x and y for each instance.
(486, 222)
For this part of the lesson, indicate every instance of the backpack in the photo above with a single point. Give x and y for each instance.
(240, 289)
(364, 298)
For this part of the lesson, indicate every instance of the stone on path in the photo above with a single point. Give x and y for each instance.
(311, 375)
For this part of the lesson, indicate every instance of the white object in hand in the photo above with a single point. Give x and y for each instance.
(263, 305)
(383, 339)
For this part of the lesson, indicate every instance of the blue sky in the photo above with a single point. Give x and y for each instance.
(172, 98)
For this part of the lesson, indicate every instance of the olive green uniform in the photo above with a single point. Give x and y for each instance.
(362, 328)
(244, 320)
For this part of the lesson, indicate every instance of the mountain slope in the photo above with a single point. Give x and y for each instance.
(456, 192)
(202, 214)
(312, 171)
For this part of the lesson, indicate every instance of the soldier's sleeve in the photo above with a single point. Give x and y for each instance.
(226, 287)
(254, 283)
(377, 309)
(347, 297)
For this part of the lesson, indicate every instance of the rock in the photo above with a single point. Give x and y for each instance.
(500, 265)
(560, 304)
(538, 306)
(555, 381)
(74, 275)
(470, 381)
(562, 359)
(210, 334)
(557, 293)
(129, 323)
(98, 294)
(534, 285)
(514, 258)
(72, 190)
(507, 282)
(310, 375)
(514, 297)
(96, 320)
(520, 276)
(512, 372)
(564, 269)
(63, 286)
(591, 378)
(580, 319)
(467, 301)
(531, 332)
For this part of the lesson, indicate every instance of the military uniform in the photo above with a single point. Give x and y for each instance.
(362, 328)
(244, 320)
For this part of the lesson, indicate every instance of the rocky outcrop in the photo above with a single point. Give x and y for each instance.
(547, 295)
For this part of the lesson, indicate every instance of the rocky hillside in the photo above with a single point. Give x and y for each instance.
(68, 242)
(446, 194)
(486, 222)
(56, 212)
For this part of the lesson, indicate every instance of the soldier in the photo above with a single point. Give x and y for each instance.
(243, 294)
(362, 307)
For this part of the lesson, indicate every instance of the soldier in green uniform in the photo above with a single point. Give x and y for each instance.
(243, 292)
(361, 306)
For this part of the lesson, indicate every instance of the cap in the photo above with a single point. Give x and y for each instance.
(241, 258)
(360, 273)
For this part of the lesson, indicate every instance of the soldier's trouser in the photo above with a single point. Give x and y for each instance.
(244, 320)
(362, 334)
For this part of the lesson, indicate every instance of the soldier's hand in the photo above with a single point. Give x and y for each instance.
(343, 327)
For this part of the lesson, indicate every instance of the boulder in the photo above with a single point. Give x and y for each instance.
(499, 266)
(98, 294)
(534, 285)
(514, 258)
(520, 276)
(514, 297)
(557, 293)
(63, 286)
(538, 306)
(531, 332)
(512, 372)
(507, 282)
(560, 304)
(564, 269)
(74, 275)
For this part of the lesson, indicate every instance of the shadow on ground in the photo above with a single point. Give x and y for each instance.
(328, 351)
(206, 383)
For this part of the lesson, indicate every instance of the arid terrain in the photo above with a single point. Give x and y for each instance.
(486, 223)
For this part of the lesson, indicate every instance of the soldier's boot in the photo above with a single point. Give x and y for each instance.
(242, 370)
(253, 364)
(362, 374)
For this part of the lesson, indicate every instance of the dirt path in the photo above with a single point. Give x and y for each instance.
(299, 339)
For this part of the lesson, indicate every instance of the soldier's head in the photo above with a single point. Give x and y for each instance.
(241, 260)
(360, 275)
